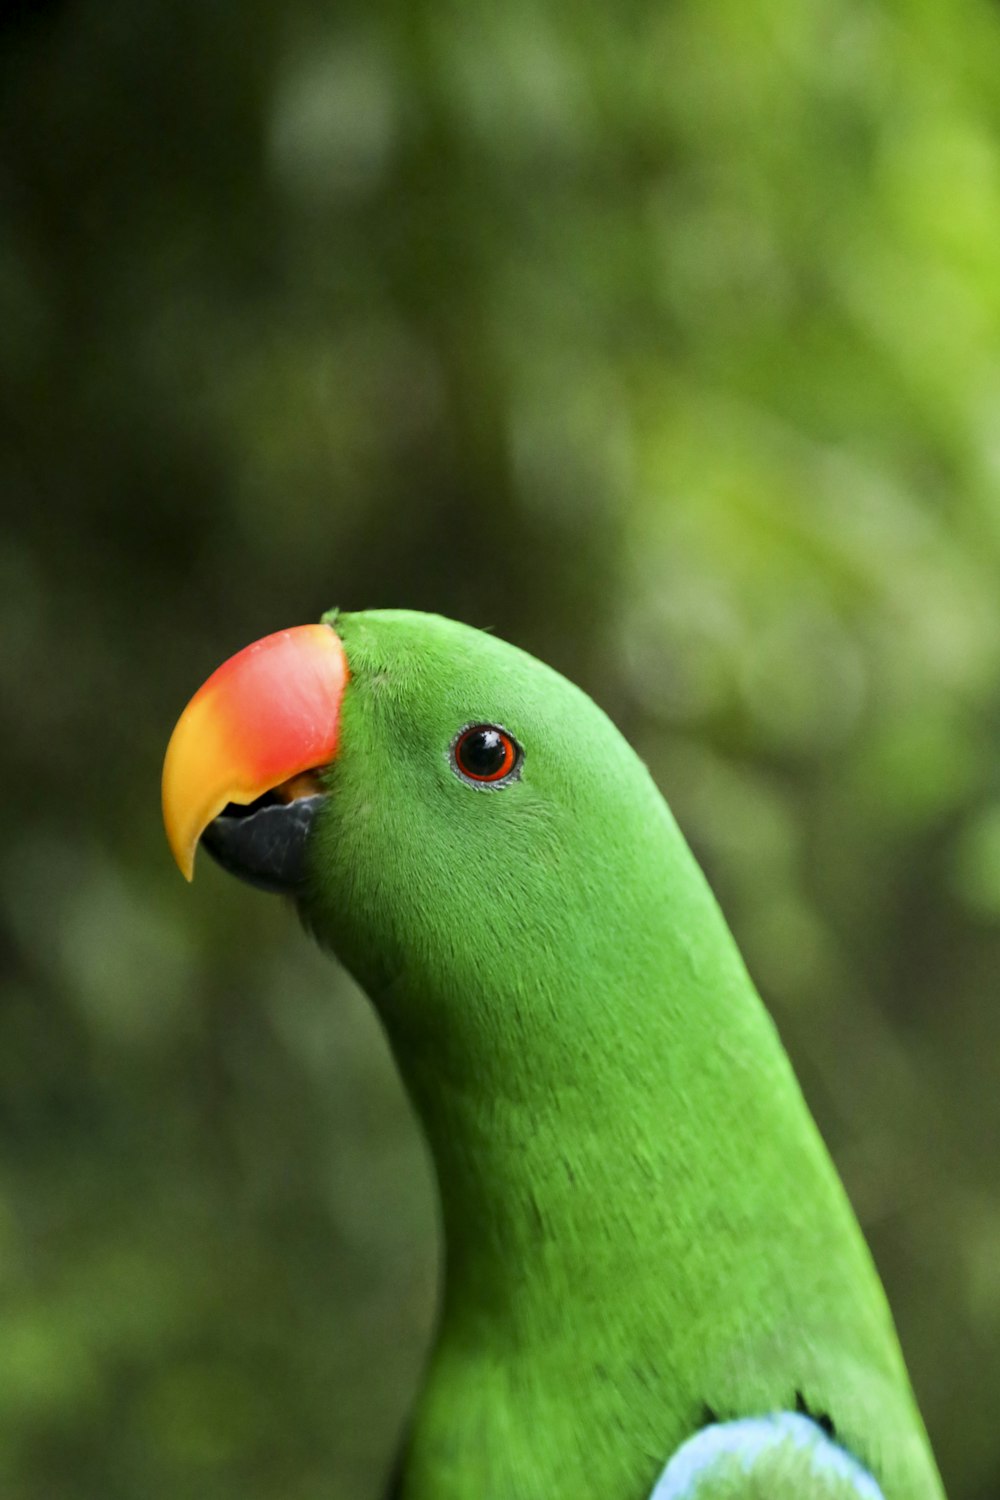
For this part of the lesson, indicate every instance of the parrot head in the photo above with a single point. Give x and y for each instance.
(444, 809)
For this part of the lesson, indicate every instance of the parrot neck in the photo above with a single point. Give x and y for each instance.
(595, 1130)
(595, 1155)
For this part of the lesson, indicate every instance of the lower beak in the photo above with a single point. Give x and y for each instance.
(253, 737)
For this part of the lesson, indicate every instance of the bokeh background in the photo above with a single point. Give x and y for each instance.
(662, 338)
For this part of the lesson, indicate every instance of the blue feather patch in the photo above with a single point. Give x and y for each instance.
(749, 1441)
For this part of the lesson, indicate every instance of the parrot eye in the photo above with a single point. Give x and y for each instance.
(486, 755)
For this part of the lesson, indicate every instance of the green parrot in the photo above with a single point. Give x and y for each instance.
(654, 1288)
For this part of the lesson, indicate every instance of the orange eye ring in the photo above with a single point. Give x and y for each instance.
(486, 755)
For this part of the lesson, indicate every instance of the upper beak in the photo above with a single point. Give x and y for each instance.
(268, 714)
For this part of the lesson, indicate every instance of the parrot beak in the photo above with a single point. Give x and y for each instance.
(256, 733)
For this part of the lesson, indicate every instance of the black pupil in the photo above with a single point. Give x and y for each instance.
(482, 752)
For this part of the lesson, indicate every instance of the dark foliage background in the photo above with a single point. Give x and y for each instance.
(661, 338)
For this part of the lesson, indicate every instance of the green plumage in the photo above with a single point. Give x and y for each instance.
(641, 1223)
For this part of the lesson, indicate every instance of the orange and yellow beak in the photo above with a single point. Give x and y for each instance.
(265, 716)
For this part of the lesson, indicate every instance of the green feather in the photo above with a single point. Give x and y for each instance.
(641, 1222)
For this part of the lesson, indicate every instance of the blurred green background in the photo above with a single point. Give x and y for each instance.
(665, 340)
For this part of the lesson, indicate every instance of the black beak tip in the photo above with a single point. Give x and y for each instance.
(265, 847)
